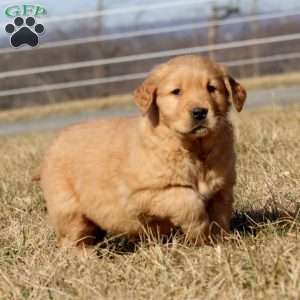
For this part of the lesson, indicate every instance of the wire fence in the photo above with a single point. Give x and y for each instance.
(155, 31)
(123, 10)
(127, 77)
(134, 58)
(151, 55)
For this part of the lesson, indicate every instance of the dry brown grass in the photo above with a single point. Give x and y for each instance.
(259, 261)
(73, 107)
(65, 108)
(270, 81)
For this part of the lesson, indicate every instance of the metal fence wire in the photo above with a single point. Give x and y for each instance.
(275, 40)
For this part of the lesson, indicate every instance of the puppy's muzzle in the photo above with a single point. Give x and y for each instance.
(199, 113)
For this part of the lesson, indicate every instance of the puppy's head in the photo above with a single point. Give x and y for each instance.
(190, 95)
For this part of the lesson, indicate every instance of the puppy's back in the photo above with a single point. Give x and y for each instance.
(102, 136)
(88, 154)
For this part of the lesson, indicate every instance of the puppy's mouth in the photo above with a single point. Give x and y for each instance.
(199, 130)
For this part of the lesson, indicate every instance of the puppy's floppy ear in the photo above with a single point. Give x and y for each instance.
(237, 92)
(145, 95)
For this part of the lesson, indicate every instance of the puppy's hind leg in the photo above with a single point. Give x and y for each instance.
(75, 230)
(72, 227)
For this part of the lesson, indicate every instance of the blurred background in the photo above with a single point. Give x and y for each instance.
(100, 48)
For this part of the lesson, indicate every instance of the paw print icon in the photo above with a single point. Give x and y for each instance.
(24, 32)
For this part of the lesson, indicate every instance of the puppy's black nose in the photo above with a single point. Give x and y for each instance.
(199, 113)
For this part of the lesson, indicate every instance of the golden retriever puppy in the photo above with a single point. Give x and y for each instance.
(172, 166)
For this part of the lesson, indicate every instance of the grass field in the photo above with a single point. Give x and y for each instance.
(259, 261)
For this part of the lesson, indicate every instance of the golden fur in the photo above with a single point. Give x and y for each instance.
(158, 170)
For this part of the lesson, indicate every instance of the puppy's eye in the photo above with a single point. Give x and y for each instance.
(176, 92)
(211, 88)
